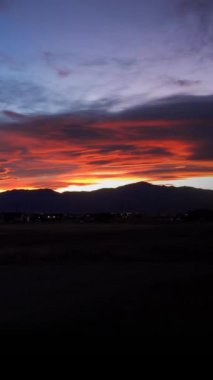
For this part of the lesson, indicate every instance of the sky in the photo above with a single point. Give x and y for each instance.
(97, 93)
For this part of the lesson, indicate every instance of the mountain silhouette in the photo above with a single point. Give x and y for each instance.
(137, 197)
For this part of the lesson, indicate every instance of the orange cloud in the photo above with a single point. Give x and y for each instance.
(57, 151)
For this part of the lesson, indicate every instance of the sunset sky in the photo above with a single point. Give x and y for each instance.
(97, 93)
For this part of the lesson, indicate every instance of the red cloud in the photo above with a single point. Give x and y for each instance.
(54, 152)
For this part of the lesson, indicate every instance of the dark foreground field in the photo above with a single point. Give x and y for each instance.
(106, 289)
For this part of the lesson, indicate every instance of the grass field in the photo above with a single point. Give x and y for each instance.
(97, 289)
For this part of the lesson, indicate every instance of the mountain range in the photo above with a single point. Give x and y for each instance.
(138, 197)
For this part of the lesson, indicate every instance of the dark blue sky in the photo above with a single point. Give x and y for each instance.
(60, 55)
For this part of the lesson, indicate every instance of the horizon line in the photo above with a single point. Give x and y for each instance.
(154, 183)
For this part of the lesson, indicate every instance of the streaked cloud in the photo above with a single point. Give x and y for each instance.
(169, 139)
(96, 91)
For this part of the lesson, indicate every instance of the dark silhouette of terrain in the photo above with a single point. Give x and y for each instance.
(138, 197)
(104, 289)
(107, 288)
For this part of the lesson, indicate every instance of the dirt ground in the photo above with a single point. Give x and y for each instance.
(106, 289)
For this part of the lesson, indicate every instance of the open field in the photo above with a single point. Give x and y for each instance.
(97, 289)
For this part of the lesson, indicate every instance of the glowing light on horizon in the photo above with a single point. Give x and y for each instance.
(86, 185)
(198, 182)
(104, 184)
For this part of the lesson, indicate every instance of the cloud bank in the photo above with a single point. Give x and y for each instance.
(164, 140)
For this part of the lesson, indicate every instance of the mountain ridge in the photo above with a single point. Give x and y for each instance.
(135, 197)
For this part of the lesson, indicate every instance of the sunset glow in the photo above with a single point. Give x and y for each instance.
(97, 94)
